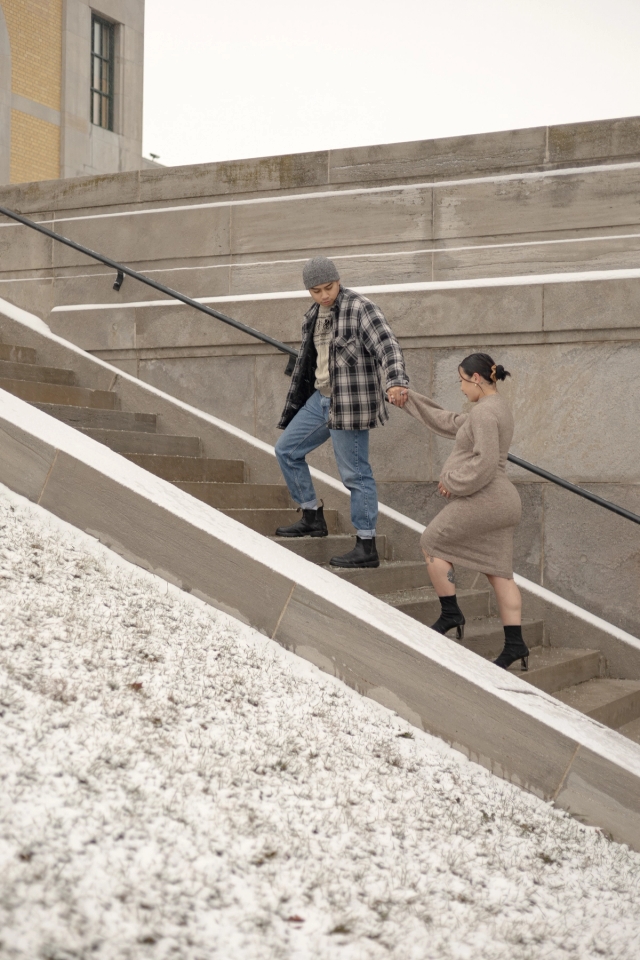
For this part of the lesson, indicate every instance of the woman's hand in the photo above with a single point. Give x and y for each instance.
(442, 490)
(397, 396)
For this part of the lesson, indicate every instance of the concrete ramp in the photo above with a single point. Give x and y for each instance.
(519, 732)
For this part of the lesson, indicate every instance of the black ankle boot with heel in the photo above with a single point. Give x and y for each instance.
(514, 649)
(450, 616)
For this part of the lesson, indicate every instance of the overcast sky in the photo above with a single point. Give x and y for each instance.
(243, 78)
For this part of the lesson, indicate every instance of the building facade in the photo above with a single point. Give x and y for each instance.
(71, 75)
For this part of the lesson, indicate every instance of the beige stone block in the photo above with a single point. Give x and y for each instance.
(602, 792)
(592, 305)
(96, 329)
(162, 542)
(416, 499)
(31, 293)
(27, 198)
(271, 387)
(356, 270)
(265, 276)
(528, 541)
(595, 140)
(519, 259)
(474, 311)
(591, 555)
(443, 703)
(221, 386)
(72, 193)
(571, 403)
(173, 326)
(25, 460)
(325, 224)
(77, 285)
(103, 190)
(184, 326)
(145, 237)
(435, 159)
(235, 177)
(81, 285)
(195, 278)
(567, 202)
(22, 248)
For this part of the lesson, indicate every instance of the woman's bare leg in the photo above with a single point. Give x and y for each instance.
(441, 575)
(509, 600)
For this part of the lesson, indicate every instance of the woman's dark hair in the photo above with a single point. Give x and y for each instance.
(483, 364)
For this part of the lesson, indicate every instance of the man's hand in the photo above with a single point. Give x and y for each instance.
(397, 396)
(443, 491)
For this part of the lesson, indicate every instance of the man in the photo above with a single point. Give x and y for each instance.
(336, 392)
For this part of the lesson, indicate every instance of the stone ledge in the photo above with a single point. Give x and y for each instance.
(508, 151)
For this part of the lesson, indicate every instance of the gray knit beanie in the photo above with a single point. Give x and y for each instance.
(319, 270)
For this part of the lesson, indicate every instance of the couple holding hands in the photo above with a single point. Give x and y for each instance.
(336, 392)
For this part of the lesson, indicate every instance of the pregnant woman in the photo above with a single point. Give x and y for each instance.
(475, 528)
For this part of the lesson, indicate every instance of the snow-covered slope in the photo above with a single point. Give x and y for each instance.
(174, 785)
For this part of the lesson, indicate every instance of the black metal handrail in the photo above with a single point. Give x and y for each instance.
(559, 481)
(121, 270)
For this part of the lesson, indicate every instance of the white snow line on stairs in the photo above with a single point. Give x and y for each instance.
(419, 286)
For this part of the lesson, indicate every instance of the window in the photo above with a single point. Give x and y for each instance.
(102, 64)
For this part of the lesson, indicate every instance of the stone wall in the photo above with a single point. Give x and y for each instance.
(498, 262)
(573, 348)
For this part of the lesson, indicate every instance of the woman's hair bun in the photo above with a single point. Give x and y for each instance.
(483, 364)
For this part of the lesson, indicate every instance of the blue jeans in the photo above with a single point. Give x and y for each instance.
(308, 430)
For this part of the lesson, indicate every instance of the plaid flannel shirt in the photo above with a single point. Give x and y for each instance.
(363, 345)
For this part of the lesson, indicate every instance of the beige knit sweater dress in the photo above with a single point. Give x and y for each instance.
(475, 528)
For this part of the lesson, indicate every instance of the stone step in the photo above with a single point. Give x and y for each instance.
(389, 577)
(423, 604)
(191, 468)
(136, 441)
(555, 668)
(612, 702)
(13, 354)
(239, 496)
(100, 419)
(60, 394)
(486, 636)
(267, 521)
(321, 549)
(11, 370)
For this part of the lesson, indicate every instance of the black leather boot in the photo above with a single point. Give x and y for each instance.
(514, 649)
(311, 524)
(450, 616)
(364, 554)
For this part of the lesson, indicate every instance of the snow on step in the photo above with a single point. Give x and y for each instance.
(175, 784)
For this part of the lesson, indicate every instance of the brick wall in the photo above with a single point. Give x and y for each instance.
(35, 32)
(35, 149)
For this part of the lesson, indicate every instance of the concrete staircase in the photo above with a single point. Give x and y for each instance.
(576, 676)
(522, 243)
